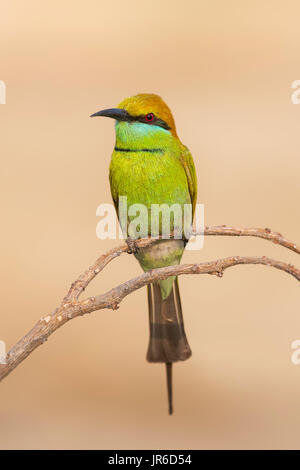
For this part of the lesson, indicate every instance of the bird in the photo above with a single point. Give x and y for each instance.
(151, 166)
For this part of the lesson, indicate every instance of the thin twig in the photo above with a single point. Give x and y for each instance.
(265, 233)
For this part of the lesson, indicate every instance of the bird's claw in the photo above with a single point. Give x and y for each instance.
(132, 246)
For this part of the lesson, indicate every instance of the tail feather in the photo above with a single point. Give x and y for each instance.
(168, 342)
(169, 386)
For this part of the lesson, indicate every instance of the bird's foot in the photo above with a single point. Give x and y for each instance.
(132, 246)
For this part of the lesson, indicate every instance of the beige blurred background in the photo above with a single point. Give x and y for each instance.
(225, 69)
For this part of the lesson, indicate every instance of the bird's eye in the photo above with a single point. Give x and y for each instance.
(149, 117)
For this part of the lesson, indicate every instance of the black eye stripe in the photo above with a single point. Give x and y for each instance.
(155, 121)
(142, 118)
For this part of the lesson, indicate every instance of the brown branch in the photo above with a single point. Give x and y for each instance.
(111, 299)
(265, 233)
(71, 307)
(219, 230)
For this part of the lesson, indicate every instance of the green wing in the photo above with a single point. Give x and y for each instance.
(189, 168)
(114, 191)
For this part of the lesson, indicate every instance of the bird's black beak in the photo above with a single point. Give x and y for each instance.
(114, 113)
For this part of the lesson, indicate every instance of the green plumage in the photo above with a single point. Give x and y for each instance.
(155, 176)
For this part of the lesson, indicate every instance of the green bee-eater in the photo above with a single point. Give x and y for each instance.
(149, 166)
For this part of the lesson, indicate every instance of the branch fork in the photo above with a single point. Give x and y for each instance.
(72, 307)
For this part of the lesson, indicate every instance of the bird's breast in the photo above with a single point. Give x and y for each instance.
(148, 178)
